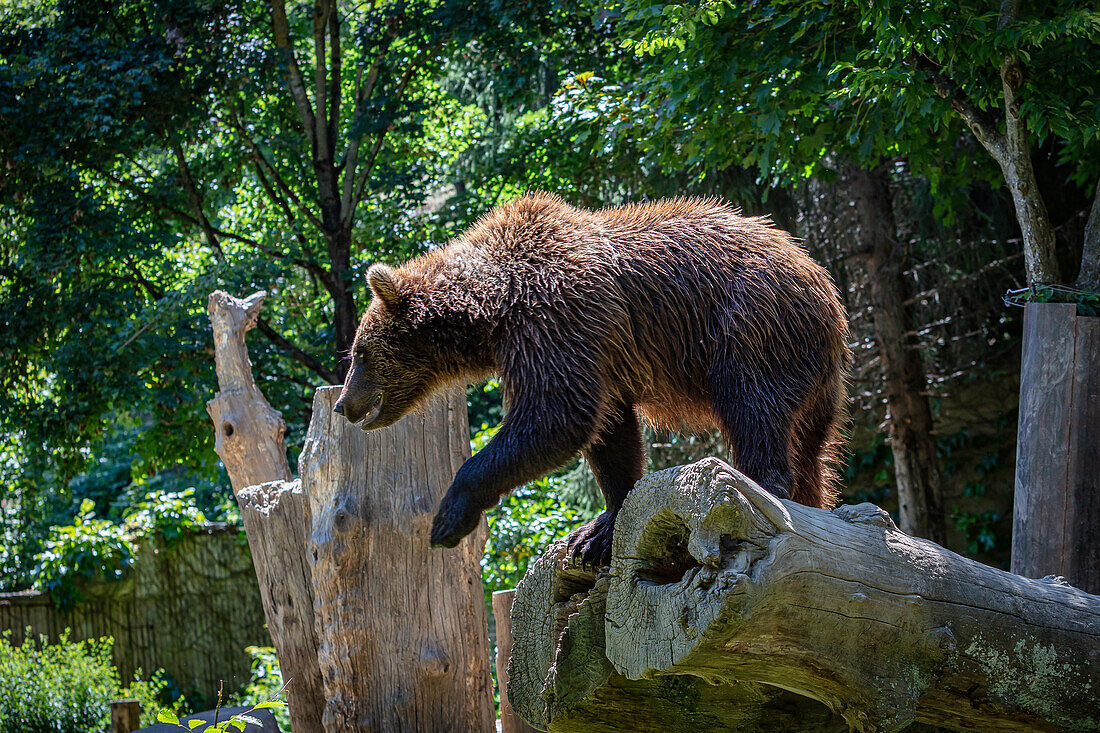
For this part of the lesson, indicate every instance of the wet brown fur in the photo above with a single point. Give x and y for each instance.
(682, 310)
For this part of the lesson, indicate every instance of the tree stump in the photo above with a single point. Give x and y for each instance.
(402, 628)
(727, 608)
(274, 512)
(1056, 514)
(125, 715)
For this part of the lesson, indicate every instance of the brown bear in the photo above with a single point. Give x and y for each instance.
(681, 311)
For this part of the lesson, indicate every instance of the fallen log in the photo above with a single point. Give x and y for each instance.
(726, 608)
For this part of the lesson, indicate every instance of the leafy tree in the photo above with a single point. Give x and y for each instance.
(156, 151)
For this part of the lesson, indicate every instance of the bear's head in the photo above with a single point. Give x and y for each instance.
(393, 360)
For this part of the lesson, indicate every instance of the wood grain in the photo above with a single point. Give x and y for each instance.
(402, 627)
(249, 440)
(1056, 519)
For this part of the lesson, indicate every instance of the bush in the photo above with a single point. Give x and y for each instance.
(65, 687)
(91, 547)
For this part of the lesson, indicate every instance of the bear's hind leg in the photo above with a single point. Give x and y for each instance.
(757, 425)
(814, 435)
(617, 459)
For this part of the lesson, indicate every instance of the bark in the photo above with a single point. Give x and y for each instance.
(726, 608)
(1012, 151)
(920, 500)
(275, 515)
(1057, 497)
(402, 629)
(1089, 276)
(1013, 154)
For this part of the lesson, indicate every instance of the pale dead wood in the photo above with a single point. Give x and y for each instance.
(727, 608)
(402, 627)
(274, 512)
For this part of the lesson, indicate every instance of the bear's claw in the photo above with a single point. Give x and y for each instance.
(591, 543)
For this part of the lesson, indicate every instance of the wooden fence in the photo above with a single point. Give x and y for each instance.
(189, 609)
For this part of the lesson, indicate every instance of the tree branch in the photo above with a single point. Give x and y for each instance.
(297, 354)
(258, 157)
(980, 123)
(281, 32)
(1010, 10)
(336, 64)
(362, 92)
(323, 149)
(395, 99)
(196, 198)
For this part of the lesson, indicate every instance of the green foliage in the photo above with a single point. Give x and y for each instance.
(65, 687)
(87, 548)
(521, 527)
(90, 547)
(238, 722)
(1088, 302)
(977, 528)
(525, 522)
(166, 515)
(266, 684)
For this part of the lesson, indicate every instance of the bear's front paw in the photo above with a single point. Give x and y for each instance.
(456, 518)
(591, 543)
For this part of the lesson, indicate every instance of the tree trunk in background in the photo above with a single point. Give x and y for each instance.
(403, 638)
(1055, 528)
(920, 501)
(275, 514)
(1089, 276)
(345, 321)
(728, 609)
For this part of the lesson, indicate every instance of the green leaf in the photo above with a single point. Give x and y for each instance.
(192, 724)
(167, 716)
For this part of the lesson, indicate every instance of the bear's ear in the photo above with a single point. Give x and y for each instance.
(382, 284)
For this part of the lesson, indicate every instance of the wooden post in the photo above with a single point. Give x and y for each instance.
(403, 641)
(125, 715)
(1056, 518)
(274, 511)
(728, 609)
(502, 612)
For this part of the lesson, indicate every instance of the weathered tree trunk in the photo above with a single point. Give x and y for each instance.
(248, 431)
(1089, 276)
(726, 608)
(403, 638)
(274, 512)
(920, 500)
(502, 613)
(1057, 501)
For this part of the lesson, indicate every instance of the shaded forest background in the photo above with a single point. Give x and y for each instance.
(153, 152)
